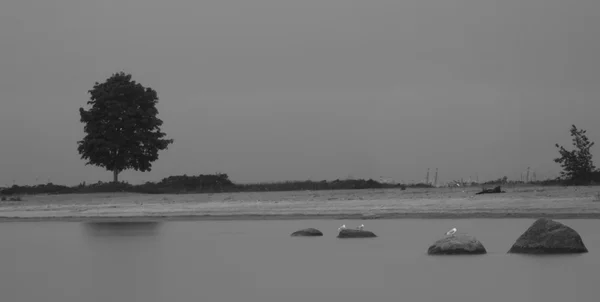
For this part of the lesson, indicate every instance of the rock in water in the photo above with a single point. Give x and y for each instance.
(457, 245)
(352, 233)
(546, 236)
(310, 232)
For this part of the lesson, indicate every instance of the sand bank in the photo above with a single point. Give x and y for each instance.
(524, 202)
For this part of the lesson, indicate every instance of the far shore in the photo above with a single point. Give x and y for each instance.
(154, 218)
(438, 203)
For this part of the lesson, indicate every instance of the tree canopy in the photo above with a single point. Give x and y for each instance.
(577, 164)
(122, 130)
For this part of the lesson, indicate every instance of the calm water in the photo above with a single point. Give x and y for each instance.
(258, 261)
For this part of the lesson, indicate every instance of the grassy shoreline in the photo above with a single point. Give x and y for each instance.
(250, 217)
(436, 203)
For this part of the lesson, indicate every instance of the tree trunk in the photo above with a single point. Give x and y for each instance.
(115, 176)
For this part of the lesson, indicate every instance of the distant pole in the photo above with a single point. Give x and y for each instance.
(427, 177)
(436, 177)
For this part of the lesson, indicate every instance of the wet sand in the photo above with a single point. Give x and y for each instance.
(517, 202)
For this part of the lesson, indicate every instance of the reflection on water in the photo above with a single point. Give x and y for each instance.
(122, 228)
(254, 261)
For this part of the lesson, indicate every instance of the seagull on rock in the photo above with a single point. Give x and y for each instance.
(451, 232)
(343, 227)
(361, 227)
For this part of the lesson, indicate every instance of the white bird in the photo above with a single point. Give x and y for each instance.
(451, 232)
(361, 227)
(342, 227)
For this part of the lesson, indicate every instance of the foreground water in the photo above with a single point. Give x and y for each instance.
(258, 261)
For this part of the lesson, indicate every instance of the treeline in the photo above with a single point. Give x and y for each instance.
(210, 183)
(545, 182)
(592, 179)
(346, 184)
(216, 183)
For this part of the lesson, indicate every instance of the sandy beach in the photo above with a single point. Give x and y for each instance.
(518, 202)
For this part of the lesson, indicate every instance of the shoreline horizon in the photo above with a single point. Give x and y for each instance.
(266, 217)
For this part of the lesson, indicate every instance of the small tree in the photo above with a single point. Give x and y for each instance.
(122, 130)
(577, 164)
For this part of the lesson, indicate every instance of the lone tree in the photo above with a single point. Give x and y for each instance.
(122, 130)
(577, 164)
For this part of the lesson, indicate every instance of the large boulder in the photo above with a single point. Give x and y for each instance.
(546, 236)
(459, 244)
(310, 232)
(355, 233)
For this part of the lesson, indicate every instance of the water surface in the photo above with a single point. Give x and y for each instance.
(258, 261)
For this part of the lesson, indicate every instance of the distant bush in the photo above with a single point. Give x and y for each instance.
(346, 184)
(211, 183)
(49, 188)
(420, 185)
(513, 183)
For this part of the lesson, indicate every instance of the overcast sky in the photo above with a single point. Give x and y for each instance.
(277, 89)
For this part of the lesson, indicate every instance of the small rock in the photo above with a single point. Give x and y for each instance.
(546, 236)
(457, 245)
(310, 232)
(352, 233)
